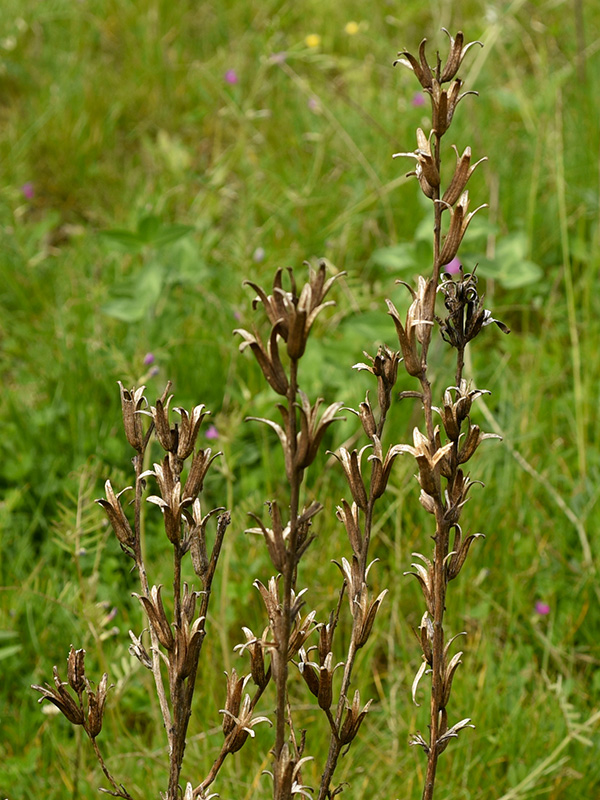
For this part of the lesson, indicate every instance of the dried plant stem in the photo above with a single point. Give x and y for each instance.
(290, 563)
(119, 791)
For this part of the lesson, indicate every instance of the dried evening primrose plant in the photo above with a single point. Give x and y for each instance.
(441, 475)
(176, 636)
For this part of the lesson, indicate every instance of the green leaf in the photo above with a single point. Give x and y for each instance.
(136, 295)
(396, 258)
(126, 239)
(170, 234)
(510, 266)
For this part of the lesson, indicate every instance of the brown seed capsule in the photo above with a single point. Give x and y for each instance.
(76, 669)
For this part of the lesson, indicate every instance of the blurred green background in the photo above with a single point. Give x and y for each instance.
(154, 155)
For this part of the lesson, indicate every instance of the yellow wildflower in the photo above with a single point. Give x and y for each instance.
(312, 40)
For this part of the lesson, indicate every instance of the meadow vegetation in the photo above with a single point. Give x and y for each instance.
(155, 154)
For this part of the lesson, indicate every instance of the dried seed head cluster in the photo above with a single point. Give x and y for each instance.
(86, 708)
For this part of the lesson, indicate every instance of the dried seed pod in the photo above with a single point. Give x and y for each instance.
(153, 606)
(354, 718)
(456, 55)
(349, 516)
(243, 723)
(76, 669)
(132, 402)
(116, 516)
(62, 699)
(235, 687)
(96, 701)
(351, 461)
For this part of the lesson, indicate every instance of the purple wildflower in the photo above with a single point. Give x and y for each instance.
(149, 359)
(231, 77)
(418, 99)
(212, 432)
(28, 190)
(453, 267)
(542, 608)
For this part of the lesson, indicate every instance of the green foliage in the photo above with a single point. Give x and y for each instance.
(157, 186)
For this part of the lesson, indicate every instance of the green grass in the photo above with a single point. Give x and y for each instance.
(119, 112)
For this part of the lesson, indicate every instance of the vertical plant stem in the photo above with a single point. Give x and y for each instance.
(145, 586)
(295, 478)
(439, 590)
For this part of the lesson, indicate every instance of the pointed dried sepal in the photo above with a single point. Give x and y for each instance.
(381, 467)
(444, 102)
(415, 684)
(302, 628)
(430, 460)
(459, 223)
(426, 165)
(96, 701)
(417, 327)
(200, 465)
(188, 429)
(417, 740)
(474, 438)
(354, 718)
(456, 55)
(421, 68)
(242, 726)
(462, 173)
(268, 359)
(424, 574)
(460, 551)
(312, 429)
(155, 611)
(62, 699)
(425, 636)
(170, 502)
(166, 435)
(235, 688)
(385, 368)
(275, 537)
(349, 516)
(364, 614)
(351, 463)
(116, 516)
(76, 669)
(257, 657)
(452, 733)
